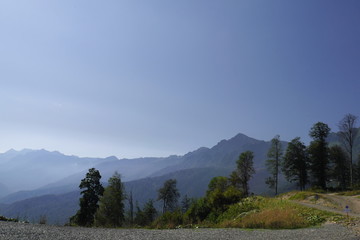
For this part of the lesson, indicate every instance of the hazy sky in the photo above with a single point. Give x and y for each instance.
(153, 78)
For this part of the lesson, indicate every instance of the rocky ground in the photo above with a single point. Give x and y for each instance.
(22, 231)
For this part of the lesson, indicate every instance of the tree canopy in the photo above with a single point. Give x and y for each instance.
(91, 193)
(111, 207)
(169, 194)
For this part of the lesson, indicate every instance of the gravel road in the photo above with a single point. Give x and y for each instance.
(21, 231)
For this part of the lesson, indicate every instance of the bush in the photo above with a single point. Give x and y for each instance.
(169, 220)
(197, 212)
(2, 218)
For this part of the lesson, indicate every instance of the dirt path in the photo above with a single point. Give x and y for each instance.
(338, 204)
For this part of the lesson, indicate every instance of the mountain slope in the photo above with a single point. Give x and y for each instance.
(29, 169)
(223, 155)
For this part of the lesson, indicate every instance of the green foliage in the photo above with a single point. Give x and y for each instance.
(198, 211)
(140, 218)
(301, 195)
(217, 183)
(295, 163)
(149, 212)
(169, 194)
(273, 163)
(271, 213)
(339, 169)
(146, 216)
(111, 208)
(2, 218)
(240, 209)
(185, 203)
(93, 190)
(219, 197)
(169, 220)
(319, 132)
(319, 154)
(350, 193)
(244, 171)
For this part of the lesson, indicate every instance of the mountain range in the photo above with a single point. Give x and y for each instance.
(35, 183)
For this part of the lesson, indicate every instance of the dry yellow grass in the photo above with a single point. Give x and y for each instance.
(270, 219)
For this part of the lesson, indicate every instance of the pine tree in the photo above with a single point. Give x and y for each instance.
(295, 164)
(340, 171)
(111, 207)
(319, 154)
(93, 190)
(149, 212)
(244, 171)
(273, 163)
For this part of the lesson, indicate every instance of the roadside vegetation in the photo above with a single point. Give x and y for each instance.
(2, 218)
(228, 201)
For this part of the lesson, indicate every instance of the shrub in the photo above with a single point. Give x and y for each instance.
(2, 218)
(169, 220)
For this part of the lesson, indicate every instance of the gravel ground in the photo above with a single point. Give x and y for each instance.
(19, 231)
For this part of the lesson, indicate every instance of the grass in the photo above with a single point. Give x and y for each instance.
(2, 218)
(349, 193)
(273, 213)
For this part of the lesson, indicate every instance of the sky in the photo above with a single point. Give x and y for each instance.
(155, 78)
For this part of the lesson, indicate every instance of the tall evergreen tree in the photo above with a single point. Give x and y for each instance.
(93, 190)
(295, 163)
(273, 163)
(139, 216)
(149, 212)
(111, 207)
(169, 194)
(131, 208)
(348, 132)
(339, 170)
(244, 171)
(319, 154)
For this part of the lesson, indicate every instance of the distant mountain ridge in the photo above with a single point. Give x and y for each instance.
(142, 176)
(39, 167)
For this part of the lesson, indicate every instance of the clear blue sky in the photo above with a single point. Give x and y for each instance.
(154, 78)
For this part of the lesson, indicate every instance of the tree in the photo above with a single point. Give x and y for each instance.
(295, 163)
(185, 203)
(111, 208)
(131, 208)
(139, 216)
(348, 131)
(149, 212)
(339, 167)
(169, 194)
(244, 171)
(319, 154)
(273, 163)
(93, 190)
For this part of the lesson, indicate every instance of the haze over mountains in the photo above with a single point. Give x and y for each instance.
(39, 182)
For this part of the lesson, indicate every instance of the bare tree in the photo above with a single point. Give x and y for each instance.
(348, 131)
